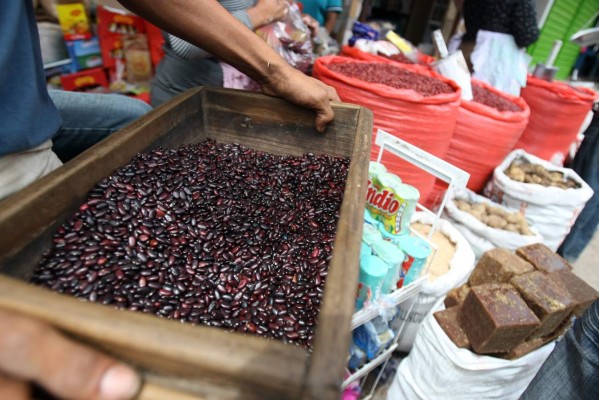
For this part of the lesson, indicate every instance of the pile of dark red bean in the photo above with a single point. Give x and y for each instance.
(490, 99)
(213, 234)
(394, 76)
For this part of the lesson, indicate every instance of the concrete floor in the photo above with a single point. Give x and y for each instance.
(586, 265)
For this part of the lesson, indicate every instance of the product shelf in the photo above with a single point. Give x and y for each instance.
(389, 301)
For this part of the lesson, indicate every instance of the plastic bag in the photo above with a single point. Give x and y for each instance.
(290, 37)
(426, 122)
(552, 210)
(484, 136)
(557, 111)
(481, 236)
(437, 369)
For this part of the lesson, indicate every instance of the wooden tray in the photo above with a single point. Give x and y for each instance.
(198, 361)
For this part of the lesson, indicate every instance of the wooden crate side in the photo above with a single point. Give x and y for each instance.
(26, 214)
(166, 347)
(275, 126)
(331, 345)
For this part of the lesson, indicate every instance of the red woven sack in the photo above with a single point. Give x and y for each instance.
(426, 122)
(484, 136)
(557, 111)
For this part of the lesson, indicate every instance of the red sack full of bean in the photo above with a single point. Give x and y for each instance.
(414, 104)
(353, 52)
(486, 131)
(557, 111)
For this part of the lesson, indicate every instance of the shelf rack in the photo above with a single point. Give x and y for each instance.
(455, 178)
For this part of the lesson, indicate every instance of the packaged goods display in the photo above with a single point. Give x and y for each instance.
(417, 252)
(73, 21)
(498, 266)
(490, 99)
(394, 258)
(390, 201)
(373, 274)
(393, 76)
(523, 171)
(215, 234)
(496, 319)
(549, 301)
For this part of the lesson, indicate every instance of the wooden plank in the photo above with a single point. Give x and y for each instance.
(164, 346)
(198, 356)
(331, 344)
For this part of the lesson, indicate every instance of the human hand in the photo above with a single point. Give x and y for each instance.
(267, 11)
(297, 88)
(311, 23)
(31, 351)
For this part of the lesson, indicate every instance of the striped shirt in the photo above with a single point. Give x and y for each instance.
(185, 66)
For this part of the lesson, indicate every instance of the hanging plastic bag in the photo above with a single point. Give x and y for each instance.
(437, 369)
(552, 210)
(290, 37)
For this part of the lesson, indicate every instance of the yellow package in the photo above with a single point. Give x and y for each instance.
(391, 202)
(73, 21)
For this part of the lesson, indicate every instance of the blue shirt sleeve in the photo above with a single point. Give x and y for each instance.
(335, 5)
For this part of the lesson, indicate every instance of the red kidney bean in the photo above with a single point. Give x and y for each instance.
(393, 76)
(216, 234)
(490, 99)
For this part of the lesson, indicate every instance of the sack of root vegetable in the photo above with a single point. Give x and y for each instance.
(550, 197)
(487, 225)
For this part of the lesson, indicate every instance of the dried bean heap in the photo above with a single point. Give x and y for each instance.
(394, 76)
(490, 99)
(214, 234)
(400, 57)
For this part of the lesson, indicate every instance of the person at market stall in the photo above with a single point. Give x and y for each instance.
(185, 66)
(323, 11)
(585, 165)
(31, 351)
(497, 33)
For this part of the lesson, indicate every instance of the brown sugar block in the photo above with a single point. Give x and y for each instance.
(550, 302)
(580, 292)
(457, 296)
(448, 321)
(498, 266)
(561, 329)
(496, 319)
(522, 349)
(542, 258)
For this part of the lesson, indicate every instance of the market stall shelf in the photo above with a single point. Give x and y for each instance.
(198, 360)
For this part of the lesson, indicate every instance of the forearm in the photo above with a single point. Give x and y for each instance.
(331, 20)
(244, 50)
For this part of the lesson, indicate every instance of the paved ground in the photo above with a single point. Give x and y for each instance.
(587, 265)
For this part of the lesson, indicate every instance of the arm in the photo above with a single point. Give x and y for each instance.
(208, 25)
(331, 20)
(525, 28)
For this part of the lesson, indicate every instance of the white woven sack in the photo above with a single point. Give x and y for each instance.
(438, 370)
(552, 210)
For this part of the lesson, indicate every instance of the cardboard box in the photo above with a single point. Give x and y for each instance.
(85, 54)
(84, 79)
(73, 21)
